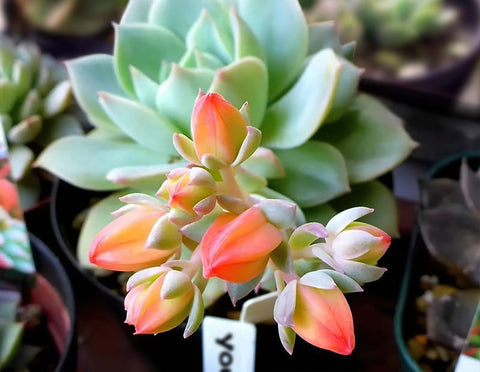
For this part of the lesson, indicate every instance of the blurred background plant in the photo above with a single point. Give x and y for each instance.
(36, 109)
(400, 38)
(71, 17)
(449, 221)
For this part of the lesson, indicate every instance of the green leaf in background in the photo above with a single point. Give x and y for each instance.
(245, 80)
(376, 195)
(294, 118)
(183, 83)
(320, 213)
(323, 35)
(136, 11)
(85, 162)
(284, 39)
(58, 127)
(90, 75)
(139, 122)
(10, 336)
(312, 180)
(370, 137)
(144, 47)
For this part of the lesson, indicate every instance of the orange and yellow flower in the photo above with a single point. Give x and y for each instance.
(120, 245)
(236, 248)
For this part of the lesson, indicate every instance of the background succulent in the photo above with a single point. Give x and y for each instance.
(298, 79)
(71, 17)
(35, 94)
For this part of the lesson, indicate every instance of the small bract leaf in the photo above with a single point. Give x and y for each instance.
(175, 284)
(306, 234)
(196, 314)
(237, 291)
(295, 117)
(321, 176)
(164, 235)
(280, 213)
(344, 282)
(281, 257)
(287, 338)
(249, 145)
(140, 123)
(245, 80)
(345, 218)
(317, 279)
(360, 272)
(185, 147)
(58, 99)
(142, 200)
(144, 47)
(21, 157)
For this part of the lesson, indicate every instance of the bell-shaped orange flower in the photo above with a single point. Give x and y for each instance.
(236, 248)
(316, 309)
(158, 300)
(218, 128)
(120, 245)
(8, 195)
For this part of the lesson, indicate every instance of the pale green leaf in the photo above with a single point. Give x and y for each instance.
(144, 47)
(10, 337)
(323, 35)
(294, 118)
(176, 96)
(315, 173)
(89, 75)
(136, 11)
(281, 29)
(374, 195)
(58, 127)
(8, 92)
(245, 42)
(144, 87)
(85, 162)
(140, 123)
(370, 137)
(245, 80)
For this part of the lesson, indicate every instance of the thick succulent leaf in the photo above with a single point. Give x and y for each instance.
(90, 75)
(323, 35)
(85, 162)
(315, 173)
(21, 158)
(294, 118)
(177, 16)
(244, 40)
(98, 216)
(245, 80)
(176, 96)
(376, 195)
(136, 11)
(144, 87)
(207, 60)
(237, 291)
(144, 47)
(280, 27)
(140, 123)
(346, 90)
(10, 338)
(345, 283)
(207, 37)
(348, 50)
(370, 137)
(58, 127)
(8, 92)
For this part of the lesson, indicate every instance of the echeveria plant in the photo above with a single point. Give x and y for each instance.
(204, 224)
(35, 93)
(298, 80)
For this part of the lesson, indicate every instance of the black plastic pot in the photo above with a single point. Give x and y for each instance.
(439, 86)
(60, 315)
(418, 263)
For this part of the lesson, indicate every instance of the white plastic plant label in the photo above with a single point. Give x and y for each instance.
(228, 345)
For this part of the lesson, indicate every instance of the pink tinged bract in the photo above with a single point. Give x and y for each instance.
(218, 128)
(236, 248)
(151, 312)
(120, 245)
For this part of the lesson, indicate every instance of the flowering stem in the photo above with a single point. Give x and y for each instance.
(229, 185)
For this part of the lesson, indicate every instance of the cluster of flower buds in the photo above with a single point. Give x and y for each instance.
(203, 223)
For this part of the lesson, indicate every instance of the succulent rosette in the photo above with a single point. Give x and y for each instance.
(298, 80)
(35, 97)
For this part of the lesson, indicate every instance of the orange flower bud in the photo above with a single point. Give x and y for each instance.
(120, 245)
(316, 309)
(158, 300)
(236, 248)
(218, 128)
